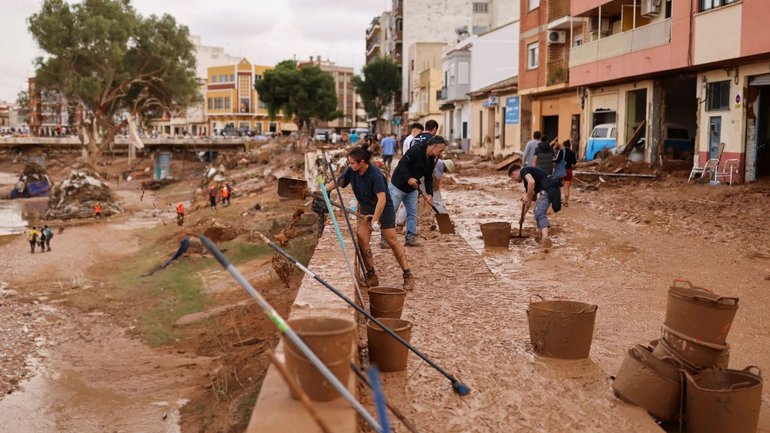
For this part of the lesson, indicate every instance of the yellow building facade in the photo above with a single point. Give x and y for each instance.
(233, 105)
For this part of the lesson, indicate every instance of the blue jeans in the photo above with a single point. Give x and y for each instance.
(410, 203)
(541, 210)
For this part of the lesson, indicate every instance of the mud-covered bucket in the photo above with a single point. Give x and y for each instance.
(699, 313)
(496, 234)
(697, 354)
(561, 329)
(385, 351)
(331, 339)
(386, 302)
(721, 401)
(663, 348)
(650, 382)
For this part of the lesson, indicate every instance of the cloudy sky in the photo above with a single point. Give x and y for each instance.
(264, 31)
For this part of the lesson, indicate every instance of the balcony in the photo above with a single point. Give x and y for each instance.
(372, 49)
(641, 38)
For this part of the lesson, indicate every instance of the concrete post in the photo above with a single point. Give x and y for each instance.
(656, 118)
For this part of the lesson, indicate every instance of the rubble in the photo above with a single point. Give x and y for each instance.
(33, 182)
(76, 196)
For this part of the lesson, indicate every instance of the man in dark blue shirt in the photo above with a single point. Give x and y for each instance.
(375, 209)
(418, 162)
(538, 181)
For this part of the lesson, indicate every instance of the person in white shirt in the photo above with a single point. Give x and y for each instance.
(417, 129)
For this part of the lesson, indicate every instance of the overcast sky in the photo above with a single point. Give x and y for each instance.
(264, 31)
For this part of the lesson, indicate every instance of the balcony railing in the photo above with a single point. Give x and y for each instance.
(640, 38)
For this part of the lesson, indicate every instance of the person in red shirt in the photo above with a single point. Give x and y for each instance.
(98, 210)
(180, 213)
(225, 195)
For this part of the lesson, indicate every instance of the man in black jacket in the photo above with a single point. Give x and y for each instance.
(418, 162)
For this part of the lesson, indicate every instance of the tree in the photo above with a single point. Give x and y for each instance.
(378, 86)
(104, 56)
(307, 93)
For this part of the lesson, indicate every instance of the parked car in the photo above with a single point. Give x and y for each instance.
(603, 136)
(321, 135)
(678, 140)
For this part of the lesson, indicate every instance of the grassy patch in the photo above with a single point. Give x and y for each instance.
(239, 252)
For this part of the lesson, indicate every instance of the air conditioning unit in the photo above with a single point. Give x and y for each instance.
(650, 8)
(593, 25)
(557, 37)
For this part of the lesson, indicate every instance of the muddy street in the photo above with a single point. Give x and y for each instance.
(469, 310)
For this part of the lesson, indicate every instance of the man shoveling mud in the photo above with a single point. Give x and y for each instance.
(375, 209)
(537, 181)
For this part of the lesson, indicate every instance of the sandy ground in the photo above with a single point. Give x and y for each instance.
(621, 248)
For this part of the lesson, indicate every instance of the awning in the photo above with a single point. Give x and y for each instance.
(760, 80)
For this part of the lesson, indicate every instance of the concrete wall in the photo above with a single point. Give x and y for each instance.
(712, 45)
(495, 56)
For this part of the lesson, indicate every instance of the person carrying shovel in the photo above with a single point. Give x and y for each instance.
(537, 181)
(375, 211)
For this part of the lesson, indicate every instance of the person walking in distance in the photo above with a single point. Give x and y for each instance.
(571, 159)
(180, 213)
(41, 240)
(388, 145)
(98, 210)
(375, 211)
(48, 236)
(546, 187)
(418, 162)
(417, 129)
(32, 238)
(225, 195)
(529, 150)
(213, 196)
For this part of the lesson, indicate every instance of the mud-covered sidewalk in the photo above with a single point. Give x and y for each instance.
(469, 308)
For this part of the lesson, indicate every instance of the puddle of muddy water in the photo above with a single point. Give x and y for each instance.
(11, 218)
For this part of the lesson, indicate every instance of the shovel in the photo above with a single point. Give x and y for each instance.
(292, 188)
(521, 223)
(445, 225)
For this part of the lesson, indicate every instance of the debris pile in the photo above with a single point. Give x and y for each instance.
(33, 182)
(76, 196)
(693, 345)
(618, 165)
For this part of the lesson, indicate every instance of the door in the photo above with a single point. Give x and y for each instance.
(715, 136)
(551, 127)
(763, 133)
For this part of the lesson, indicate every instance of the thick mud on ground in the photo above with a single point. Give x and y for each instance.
(621, 248)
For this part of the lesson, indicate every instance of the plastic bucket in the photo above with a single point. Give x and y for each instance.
(650, 382)
(662, 348)
(386, 302)
(698, 313)
(720, 401)
(385, 351)
(561, 329)
(696, 354)
(331, 339)
(496, 234)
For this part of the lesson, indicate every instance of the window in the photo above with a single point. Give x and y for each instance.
(399, 25)
(211, 103)
(599, 133)
(718, 96)
(227, 102)
(480, 8)
(232, 78)
(257, 77)
(533, 4)
(213, 78)
(711, 4)
(217, 103)
(577, 41)
(477, 30)
(223, 78)
(533, 54)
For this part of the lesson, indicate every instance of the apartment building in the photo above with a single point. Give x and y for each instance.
(424, 82)
(378, 37)
(549, 103)
(232, 103)
(50, 114)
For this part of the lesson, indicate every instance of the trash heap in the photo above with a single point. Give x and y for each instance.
(76, 196)
(33, 182)
(690, 359)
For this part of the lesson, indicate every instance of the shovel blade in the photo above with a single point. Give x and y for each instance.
(445, 225)
(292, 188)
